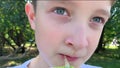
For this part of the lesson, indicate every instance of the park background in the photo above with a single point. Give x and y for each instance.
(17, 43)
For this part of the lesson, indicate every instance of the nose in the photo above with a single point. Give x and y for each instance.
(78, 38)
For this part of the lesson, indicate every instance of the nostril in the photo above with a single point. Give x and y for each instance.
(69, 42)
(77, 43)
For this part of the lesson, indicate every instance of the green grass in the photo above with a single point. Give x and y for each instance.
(111, 46)
(104, 62)
(107, 59)
(7, 63)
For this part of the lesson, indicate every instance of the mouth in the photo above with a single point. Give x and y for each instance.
(69, 58)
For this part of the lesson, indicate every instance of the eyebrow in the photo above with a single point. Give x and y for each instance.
(69, 2)
(64, 2)
(103, 12)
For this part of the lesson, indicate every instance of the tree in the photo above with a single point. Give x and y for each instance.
(15, 31)
(112, 27)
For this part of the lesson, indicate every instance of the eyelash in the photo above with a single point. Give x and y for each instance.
(101, 20)
(65, 13)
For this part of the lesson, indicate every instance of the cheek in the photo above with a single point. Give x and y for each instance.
(53, 37)
(50, 37)
(93, 41)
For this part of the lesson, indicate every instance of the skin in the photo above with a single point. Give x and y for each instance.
(74, 33)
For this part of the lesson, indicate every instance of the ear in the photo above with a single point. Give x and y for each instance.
(30, 14)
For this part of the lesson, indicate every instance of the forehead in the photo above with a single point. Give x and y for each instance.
(102, 6)
(77, 2)
(73, 1)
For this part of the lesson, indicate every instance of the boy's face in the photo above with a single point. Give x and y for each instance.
(68, 28)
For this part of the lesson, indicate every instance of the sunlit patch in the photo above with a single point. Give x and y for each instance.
(111, 47)
(12, 63)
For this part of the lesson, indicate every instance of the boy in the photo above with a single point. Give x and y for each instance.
(66, 30)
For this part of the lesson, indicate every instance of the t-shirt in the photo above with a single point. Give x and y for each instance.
(25, 64)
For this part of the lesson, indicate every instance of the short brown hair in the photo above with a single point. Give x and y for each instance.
(34, 4)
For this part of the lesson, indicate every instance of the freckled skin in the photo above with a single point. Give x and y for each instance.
(73, 35)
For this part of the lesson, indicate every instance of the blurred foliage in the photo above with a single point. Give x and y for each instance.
(112, 28)
(14, 27)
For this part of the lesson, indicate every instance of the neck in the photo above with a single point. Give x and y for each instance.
(37, 62)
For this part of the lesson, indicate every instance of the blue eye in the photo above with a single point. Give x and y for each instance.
(60, 11)
(98, 19)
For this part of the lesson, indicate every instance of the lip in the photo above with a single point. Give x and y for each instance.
(69, 58)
